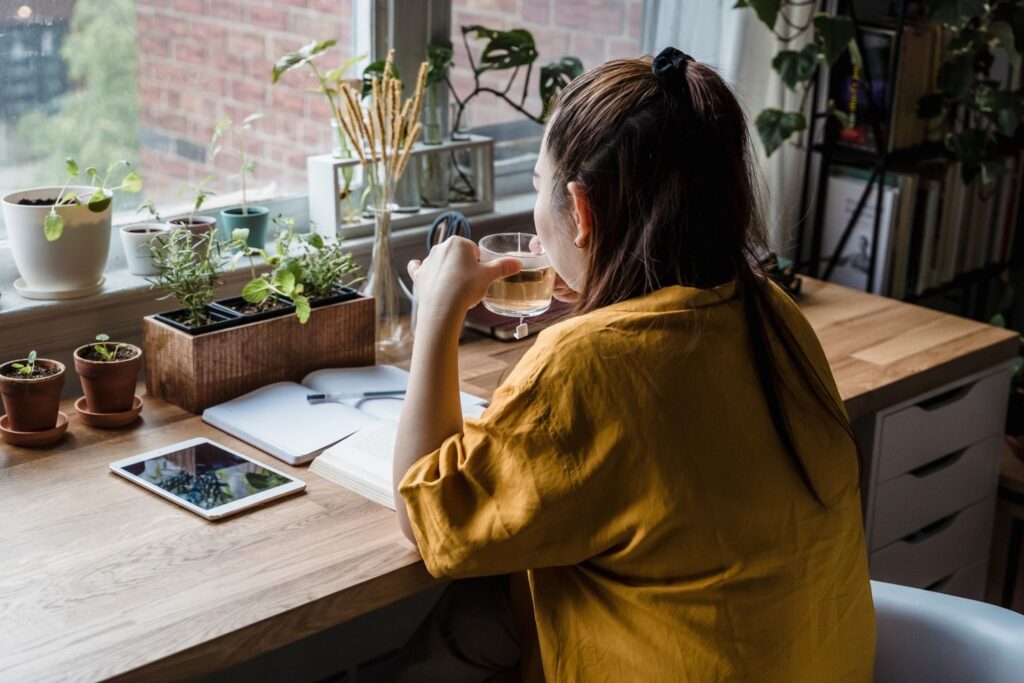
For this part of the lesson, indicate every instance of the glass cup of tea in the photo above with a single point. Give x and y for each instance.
(528, 292)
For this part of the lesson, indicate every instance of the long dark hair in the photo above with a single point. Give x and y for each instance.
(668, 169)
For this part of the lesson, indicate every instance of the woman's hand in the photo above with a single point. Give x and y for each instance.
(451, 280)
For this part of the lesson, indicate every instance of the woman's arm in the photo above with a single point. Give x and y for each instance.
(450, 281)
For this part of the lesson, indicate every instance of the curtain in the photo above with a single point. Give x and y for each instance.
(741, 49)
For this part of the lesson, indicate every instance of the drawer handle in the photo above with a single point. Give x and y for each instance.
(945, 398)
(940, 584)
(934, 466)
(924, 533)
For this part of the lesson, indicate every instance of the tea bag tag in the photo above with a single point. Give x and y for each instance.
(521, 330)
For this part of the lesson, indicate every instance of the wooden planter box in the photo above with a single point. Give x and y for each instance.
(199, 371)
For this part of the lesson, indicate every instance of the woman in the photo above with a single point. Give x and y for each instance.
(669, 476)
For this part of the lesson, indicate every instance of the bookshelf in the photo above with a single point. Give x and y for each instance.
(885, 172)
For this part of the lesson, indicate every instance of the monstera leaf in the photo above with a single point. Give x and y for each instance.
(553, 79)
(797, 67)
(293, 60)
(504, 49)
(774, 127)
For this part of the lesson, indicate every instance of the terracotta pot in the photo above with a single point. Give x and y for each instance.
(31, 404)
(200, 225)
(109, 386)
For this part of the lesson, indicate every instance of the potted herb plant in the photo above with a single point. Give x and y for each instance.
(109, 372)
(188, 269)
(31, 388)
(195, 223)
(254, 219)
(137, 238)
(272, 300)
(60, 236)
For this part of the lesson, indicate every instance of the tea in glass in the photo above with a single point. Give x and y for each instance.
(528, 292)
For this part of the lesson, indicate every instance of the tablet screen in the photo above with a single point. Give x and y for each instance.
(206, 475)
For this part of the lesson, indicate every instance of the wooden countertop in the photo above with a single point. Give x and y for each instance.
(99, 579)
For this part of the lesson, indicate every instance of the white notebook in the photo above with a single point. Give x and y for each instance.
(278, 419)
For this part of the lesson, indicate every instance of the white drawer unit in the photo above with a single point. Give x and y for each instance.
(931, 472)
(938, 550)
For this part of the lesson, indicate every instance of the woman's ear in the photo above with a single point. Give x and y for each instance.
(583, 216)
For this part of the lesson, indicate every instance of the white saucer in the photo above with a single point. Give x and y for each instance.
(50, 295)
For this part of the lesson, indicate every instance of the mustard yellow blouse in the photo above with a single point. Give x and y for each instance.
(629, 466)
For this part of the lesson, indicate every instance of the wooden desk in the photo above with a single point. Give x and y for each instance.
(99, 579)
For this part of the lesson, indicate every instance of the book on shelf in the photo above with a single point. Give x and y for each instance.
(897, 79)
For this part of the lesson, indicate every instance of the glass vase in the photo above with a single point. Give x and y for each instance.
(394, 301)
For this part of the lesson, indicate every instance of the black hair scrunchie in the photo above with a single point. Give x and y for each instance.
(670, 69)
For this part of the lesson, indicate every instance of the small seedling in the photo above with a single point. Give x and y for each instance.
(26, 369)
(201, 193)
(246, 166)
(53, 225)
(103, 349)
(149, 206)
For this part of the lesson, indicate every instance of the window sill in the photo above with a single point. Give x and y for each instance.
(56, 328)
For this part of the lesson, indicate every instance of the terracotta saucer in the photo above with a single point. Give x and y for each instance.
(43, 438)
(109, 420)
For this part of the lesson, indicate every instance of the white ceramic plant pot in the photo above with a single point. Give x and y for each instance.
(68, 267)
(136, 240)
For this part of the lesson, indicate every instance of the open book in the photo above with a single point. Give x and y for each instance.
(278, 419)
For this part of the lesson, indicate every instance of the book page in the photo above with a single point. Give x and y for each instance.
(362, 462)
(278, 419)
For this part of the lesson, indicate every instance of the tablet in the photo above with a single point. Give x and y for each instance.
(209, 479)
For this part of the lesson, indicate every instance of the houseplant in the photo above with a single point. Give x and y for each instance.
(31, 388)
(137, 238)
(109, 372)
(384, 135)
(273, 301)
(60, 235)
(329, 84)
(253, 219)
(188, 269)
(198, 225)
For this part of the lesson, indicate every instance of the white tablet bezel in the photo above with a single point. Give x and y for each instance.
(294, 485)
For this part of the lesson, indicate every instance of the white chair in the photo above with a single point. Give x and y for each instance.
(926, 636)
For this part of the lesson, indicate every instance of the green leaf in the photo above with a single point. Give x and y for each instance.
(774, 127)
(843, 117)
(99, 201)
(376, 70)
(131, 183)
(240, 234)
(102, 337)
(553, 79)
(834, 34)
(997, 320)
(69, 198)
(53, 226)
(440, 57)
(315, 240)
(797, 67)
(955, 13)
(504, 49)
(740, 4)
(767, 10)
(1004, 108)
(72, 167)
(252, 118)
(284, 280)
(1003, 32)
(302, 308)
(256, 291)
(956, 76)
(298, 58)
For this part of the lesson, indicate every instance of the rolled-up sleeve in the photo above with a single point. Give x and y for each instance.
(505, 495)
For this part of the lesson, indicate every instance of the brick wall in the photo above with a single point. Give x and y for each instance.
(200, 60)
(593, 30)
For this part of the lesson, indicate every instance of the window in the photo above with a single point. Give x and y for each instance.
(592, 30)
(148, 81)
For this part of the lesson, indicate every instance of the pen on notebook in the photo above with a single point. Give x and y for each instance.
(323, 398)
